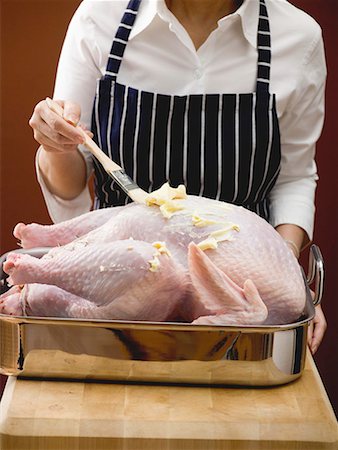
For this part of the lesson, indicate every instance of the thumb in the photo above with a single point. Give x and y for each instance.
(71, 112)
(310, 333)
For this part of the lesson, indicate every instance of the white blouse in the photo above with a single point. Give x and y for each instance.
(160, 57)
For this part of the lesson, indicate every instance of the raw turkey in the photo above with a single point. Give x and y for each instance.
(189, 259)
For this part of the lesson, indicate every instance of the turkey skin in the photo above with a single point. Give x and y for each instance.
(191, 259)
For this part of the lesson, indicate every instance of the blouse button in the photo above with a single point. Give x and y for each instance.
(198, 73)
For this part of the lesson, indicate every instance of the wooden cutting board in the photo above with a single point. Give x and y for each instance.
(62, 415)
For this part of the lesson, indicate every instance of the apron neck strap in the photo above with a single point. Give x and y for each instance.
(264, 49)
(121, 39)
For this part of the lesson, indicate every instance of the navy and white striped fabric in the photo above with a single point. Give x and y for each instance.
(222, 146)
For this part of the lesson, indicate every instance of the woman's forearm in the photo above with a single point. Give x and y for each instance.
(64, 173)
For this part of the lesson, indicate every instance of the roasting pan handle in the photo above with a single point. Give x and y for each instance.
(316, 273)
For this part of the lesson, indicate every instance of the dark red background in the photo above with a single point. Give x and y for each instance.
(31, 36)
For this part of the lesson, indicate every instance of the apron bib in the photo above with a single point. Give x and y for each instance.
(221, 146)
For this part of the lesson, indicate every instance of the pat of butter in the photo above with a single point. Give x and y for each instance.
(165, 194)
(169, 208)
(209, 243)
(154, 264)
(161, 248)
(224, 233)
(199, 221)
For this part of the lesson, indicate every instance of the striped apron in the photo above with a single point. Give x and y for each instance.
(221, 146)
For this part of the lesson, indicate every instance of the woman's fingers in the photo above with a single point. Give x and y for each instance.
(317, 330)
(53, 131)
(45, 133)
(60, 125)
(59, 144)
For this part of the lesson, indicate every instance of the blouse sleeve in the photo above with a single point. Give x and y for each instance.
(77, 72)
(292, 200)
(59, 209)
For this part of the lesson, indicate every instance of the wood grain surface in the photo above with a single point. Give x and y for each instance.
(62, 415)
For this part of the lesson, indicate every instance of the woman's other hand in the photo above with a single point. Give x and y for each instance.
(316, 330)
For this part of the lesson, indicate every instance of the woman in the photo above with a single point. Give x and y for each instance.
(223, 96)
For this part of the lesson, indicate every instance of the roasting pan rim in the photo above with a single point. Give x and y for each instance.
(150, 325)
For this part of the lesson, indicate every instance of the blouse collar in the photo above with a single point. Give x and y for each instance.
(247, 12)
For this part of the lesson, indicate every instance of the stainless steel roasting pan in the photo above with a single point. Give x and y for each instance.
(158, 352)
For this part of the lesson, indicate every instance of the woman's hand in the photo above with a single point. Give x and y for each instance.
(295, 238)
(54, 133)
(316, 330)
(61, 165)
